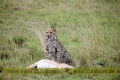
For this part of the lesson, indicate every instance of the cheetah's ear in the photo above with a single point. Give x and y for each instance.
(54, 29)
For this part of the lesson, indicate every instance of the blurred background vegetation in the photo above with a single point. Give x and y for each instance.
(88, 29)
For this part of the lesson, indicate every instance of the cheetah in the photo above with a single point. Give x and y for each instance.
(55, 50)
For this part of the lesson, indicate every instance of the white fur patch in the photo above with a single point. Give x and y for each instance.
(49, 64)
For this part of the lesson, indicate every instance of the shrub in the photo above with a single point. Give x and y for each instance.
(19, 40)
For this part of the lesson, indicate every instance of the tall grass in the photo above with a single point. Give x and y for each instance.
(88, 29)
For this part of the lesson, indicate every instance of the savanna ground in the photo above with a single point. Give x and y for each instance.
(88, 29)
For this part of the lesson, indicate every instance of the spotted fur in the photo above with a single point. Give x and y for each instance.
(55, 49)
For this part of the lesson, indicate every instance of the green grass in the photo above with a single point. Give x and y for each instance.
(88, 29)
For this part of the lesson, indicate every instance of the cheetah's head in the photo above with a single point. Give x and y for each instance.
(50, 32)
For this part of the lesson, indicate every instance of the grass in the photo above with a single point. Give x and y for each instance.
(88, 29)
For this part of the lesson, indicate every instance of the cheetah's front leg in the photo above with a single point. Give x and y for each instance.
(48, 55)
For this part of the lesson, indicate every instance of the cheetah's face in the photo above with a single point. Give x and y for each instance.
(50, 32)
